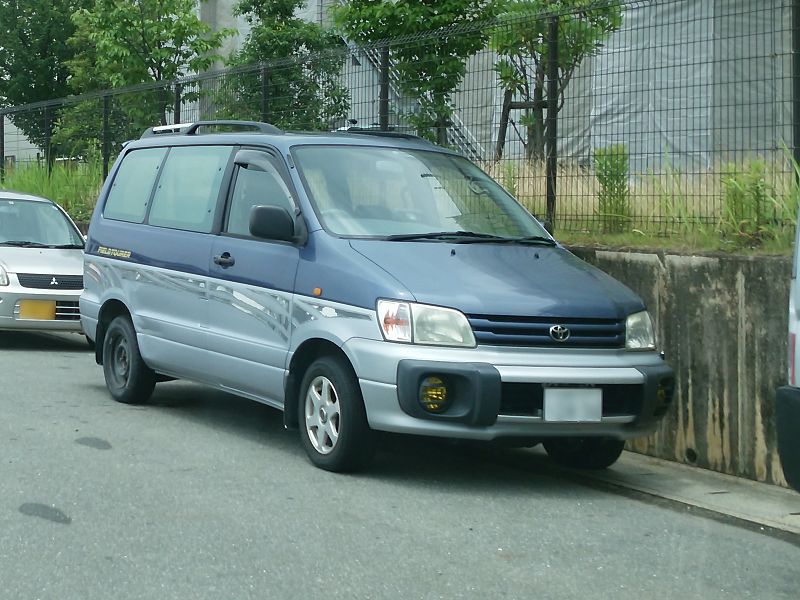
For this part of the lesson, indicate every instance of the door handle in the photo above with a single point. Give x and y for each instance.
(224, 260)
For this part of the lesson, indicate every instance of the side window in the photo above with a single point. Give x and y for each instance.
(133, 184)
(256, 187)
(187, 192)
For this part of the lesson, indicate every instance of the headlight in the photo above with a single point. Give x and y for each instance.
(3, 276)
(639, 332)
(423, 324)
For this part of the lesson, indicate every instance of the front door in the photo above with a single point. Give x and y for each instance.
(250, 286)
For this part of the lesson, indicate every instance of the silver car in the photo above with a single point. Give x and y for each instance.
(41, 265)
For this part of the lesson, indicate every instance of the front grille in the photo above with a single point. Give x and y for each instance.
(527, 399)
(50, 282)
(497, 330)
(67, 311)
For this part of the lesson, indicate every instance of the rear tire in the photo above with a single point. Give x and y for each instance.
(584, 453)
(128, 378)
(333, 422)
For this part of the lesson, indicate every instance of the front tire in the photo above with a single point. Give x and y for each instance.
(333, 421)
(584, 453)
(128, 378)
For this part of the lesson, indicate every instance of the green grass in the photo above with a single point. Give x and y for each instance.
(748, 207)
(73, 185)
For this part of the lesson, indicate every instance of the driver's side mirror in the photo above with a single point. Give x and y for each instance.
(272, 223)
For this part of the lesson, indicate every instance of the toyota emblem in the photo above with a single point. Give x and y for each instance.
(559, 333)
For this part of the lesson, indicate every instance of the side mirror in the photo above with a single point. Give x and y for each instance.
(272, 223)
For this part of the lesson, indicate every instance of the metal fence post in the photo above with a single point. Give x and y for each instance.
(176, 115)
(551, 136)
(264, 94)
(106, 134)
(383, 97)
(2, 146)
(796, 86)
(47, 134)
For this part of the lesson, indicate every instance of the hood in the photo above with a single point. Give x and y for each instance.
(502, 279)
(46, 261)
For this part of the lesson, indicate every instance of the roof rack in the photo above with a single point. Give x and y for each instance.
(191, 128)
(381, 133)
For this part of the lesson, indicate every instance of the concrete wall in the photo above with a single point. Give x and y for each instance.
(722, 321)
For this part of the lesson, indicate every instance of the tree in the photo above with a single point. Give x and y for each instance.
(431, 67)
(80, 128)
(33, 57)
(302, 63)
(139, 41)
(521, 40)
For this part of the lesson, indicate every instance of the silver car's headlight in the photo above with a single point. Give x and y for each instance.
(3, 276)
(414, 323)
(639, 334)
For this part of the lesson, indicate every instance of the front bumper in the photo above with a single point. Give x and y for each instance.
(67, 315)
(498, 391)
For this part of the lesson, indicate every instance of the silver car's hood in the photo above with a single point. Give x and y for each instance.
(56, 261)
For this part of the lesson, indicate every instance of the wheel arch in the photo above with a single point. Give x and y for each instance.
(309, 351)
(110, 310)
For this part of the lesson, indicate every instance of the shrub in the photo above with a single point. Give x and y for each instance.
(72, 184)
(613, 200)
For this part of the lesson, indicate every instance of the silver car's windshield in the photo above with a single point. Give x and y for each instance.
(407, 194)
(35, 224)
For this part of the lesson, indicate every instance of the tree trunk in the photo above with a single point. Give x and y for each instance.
(442, 122)
(534, 149)
(501, 133)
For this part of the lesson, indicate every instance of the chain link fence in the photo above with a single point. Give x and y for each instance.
(660, 116)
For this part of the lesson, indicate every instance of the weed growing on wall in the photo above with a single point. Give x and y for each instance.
(753, 210)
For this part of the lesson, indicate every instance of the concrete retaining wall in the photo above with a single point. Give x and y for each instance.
(722, 322)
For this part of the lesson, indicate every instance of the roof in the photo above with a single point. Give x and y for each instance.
(265, 134)
(12, 195)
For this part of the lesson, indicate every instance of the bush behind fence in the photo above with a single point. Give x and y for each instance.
(663, 116)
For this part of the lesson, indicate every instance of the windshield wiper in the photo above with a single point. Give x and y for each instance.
(23, 244)
(67, 246)
(472, 237)
(446, 236)
(534, 240)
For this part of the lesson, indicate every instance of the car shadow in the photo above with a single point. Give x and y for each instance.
(42, 341)
(400, 459)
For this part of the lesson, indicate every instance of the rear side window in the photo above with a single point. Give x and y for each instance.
(133, 183)
(187, 192)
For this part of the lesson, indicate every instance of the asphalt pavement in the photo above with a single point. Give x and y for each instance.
(203, 495)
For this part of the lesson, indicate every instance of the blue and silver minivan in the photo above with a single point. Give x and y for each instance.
(361, 282)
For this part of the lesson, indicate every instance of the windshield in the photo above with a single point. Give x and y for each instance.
(386, 192)
(38, 224)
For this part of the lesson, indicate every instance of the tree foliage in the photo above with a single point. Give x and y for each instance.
(33, 56)
(431, 67)
(299, 87)
(120, 43)
(521, 41)
(139, 41)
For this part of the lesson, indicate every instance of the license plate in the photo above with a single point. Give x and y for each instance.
(39, 310)
(573, 405)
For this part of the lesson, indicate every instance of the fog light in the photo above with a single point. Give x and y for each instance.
(433, 395)
(664, 393)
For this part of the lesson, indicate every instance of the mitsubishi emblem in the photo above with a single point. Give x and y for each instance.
(54, 281)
